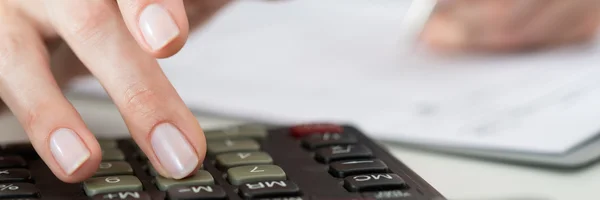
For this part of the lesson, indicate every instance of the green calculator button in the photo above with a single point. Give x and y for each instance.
(112, 155)
(254, 173)
(114, 168)
(107, 144)
(249, 131)
(227, 146)
(200, 178)
(110, 184)
(229, 160)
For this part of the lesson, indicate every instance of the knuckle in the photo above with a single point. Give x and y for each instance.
(34, 114)
(141, 100)
(9, 46)
(87, 23)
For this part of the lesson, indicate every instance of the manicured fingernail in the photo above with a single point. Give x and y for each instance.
(157, 26)
(68, 150)
(174, 152)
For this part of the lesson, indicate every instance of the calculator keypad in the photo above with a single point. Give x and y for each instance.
(312, 161)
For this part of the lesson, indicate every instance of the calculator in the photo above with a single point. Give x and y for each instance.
(317, 161)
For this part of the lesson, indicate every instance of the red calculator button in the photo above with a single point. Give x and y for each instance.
(307, 129)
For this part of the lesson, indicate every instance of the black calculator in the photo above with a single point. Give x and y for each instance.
(319, 161)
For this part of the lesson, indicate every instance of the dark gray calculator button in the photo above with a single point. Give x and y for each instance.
(17, 190)
(132, 195)
(339, 197)
(342, 152)
(266, 189)
(377, 182)
(391, 194)
(14, 175)
(327, 139)
(196, 192)
(114, 168)
(12, 162)
(345, 168)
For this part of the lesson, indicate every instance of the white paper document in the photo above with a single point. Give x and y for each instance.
(343, 60)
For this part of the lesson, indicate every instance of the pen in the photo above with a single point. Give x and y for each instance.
(416, 18)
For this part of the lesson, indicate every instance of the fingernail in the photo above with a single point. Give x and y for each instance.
(174, 152)
(158, 28)
(68, 150)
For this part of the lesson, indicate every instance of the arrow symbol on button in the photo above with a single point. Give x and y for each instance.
(243, 155)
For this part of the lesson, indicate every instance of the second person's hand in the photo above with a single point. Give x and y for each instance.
(511, 25)
(118, 42)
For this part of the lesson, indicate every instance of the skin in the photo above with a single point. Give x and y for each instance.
(506, 26)
(45, 43)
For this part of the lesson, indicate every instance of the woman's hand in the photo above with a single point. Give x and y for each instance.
(118, 42)
(511, 25)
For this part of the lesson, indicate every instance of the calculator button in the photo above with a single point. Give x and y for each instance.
(12, 162)
(317, 128)
(391, 194)
(17, 190)
(114, 168)
(107, 144)
(328, 139)
(339, 197)
(226, 146)
(112, 155)
(367, 182)
(23, 150)
(229, 160)
(199, 178)
(254, 173)
(133, 195)
(110, 184)
(342, 169)
(265, 189)
(342, 152)
(238, 132)
(153, 172)
(14, 175)
(196, 192)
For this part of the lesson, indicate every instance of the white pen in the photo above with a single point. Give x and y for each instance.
(416, 18)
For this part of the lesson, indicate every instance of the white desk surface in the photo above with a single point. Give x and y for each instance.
(455, 177)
